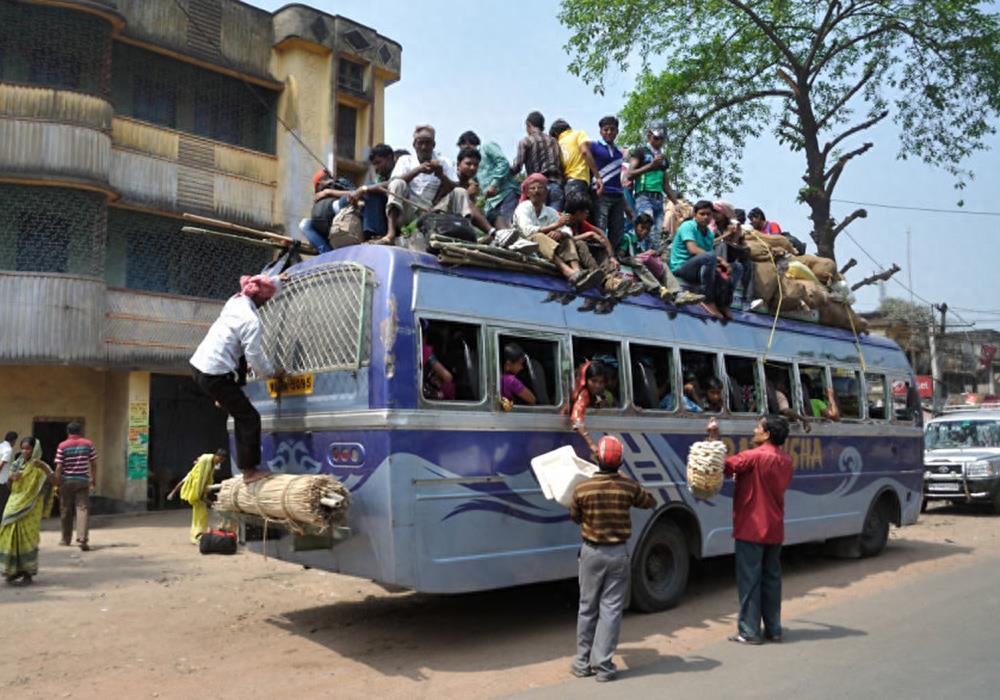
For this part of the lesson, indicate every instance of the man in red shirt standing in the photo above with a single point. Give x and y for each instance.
(762, 476)
(76, 473)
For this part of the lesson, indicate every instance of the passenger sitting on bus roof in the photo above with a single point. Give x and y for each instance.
(653, 272)
(496, 185)
(729, 244)
(468, 166)
(423, 182)
(551, 232)
(512, 388)
(760, 224)
(439, 384)
(818, 407)
(588, 392)
(778, 401)
(594, 249)
(693, 259)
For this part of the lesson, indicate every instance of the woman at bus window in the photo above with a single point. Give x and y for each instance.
(439, 384)
(691, 399)
(512, 388)
(588, 393)
(713, 396)
(818, 407)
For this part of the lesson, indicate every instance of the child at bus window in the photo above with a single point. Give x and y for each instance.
(713, 396)
(818, 407)
(691, 399)
(588, 392)
(512, 388)
(439, 384)
(778, 399)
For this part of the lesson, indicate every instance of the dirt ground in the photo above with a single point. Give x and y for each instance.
(143, 613)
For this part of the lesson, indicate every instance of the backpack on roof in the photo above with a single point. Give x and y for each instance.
(451, 225)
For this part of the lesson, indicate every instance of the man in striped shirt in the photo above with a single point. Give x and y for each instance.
(605, 160)
(601, 506)
(76, 473)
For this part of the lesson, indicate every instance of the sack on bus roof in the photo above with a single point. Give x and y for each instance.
(824, 269)
(800, 271)
(798, 295)
(763, 247)
(765, 281)
(345, 229)
(841, 316)
(675, 214)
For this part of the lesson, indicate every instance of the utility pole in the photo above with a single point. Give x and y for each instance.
(909, 264)
(935, 364)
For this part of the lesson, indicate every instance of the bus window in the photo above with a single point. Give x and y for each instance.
(906, 402)
(744, 389)
(700, 381)
(537, 373)
(779, 382)
(450, 361)
(817, 398)
(847, 389)
(607, 353)
(876, 401)
(652, 377)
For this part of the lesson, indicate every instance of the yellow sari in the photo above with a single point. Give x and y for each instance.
(30, 501)
(194, 491)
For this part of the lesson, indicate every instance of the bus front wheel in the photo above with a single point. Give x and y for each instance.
(660, 568)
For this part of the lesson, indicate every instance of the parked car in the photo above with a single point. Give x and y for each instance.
(962, 456)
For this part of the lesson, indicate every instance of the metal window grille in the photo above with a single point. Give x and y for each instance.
(52, 229)
(181, 96)
(150, 253)
(55, 47)
(320, 321)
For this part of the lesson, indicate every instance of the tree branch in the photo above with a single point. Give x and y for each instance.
(835, 49)
(704, 115)
(821, 32)
(848, 265)
(833, 174)
(856, 214)
(878, 277)
(768, 30)
(868, 74)
(855, 129)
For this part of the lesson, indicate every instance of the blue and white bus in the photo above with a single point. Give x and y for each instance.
(443, 496)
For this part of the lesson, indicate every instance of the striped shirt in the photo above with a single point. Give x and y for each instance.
(601, 506)
(608, 159)
(74, 456)
(539, 153)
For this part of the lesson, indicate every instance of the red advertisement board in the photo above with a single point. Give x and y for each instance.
(924, 387)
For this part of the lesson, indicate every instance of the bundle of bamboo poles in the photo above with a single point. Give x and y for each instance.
(300, 501)
(452, 251)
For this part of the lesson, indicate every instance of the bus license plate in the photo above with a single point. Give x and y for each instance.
(292, 385)
(943, 488)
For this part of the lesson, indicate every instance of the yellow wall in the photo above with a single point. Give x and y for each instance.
(305, 105)
(98, 397)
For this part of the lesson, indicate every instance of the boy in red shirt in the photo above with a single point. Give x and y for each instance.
(762, 476)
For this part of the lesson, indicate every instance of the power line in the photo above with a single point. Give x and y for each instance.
(909, 208)
(253, 91)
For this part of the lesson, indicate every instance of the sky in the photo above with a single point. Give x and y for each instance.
(484, 66)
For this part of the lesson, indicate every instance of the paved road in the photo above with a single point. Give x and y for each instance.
(932, 638)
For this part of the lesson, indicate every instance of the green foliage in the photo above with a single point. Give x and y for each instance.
(815, 73)
(902, 311)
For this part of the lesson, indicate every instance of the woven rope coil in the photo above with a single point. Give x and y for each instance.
(291, 500)
(705, 465)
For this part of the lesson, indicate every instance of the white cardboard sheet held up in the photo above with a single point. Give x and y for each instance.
(559, 471)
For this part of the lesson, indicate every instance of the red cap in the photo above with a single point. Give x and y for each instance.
(609, 452)
(317, 176)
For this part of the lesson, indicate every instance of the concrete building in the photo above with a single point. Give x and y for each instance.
(117, 116)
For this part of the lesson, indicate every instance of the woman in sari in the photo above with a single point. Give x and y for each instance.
(31, 492)
(194, 490)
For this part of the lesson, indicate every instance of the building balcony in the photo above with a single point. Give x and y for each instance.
(54, 135)
(163, 169)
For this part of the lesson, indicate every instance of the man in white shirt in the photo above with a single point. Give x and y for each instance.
(216, 368)
(6, 459)
(426, 179)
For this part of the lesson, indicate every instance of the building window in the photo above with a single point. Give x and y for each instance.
(347, 131)
(351, 76)
(154, 101)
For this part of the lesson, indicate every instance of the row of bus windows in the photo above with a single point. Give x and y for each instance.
(452, 363)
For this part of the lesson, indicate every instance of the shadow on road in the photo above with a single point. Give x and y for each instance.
(645, 662)
(406, 634)
(817, 631)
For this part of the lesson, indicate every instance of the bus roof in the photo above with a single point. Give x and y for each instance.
(387, 261)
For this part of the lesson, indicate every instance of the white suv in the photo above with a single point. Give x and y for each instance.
(962, 457)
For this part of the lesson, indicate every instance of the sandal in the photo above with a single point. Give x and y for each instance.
(740, 639)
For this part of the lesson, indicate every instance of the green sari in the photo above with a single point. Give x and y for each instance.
(30, 500)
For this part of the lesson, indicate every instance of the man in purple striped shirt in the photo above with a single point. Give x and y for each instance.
(605, 161)
(76, 473)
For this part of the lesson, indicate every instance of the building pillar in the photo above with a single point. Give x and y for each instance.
(137, 445)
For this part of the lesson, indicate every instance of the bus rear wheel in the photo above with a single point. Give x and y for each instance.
(660, 568)
(875, 533)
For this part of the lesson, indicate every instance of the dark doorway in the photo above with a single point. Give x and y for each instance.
(183, 424)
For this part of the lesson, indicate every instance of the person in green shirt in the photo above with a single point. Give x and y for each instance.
(693, 259)
(651, 182)
(496, 185)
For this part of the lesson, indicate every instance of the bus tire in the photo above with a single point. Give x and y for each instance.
(996, 502)
(660, 568)
(875, 533)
